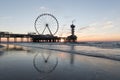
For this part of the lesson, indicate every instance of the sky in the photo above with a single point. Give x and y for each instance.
(95, 20)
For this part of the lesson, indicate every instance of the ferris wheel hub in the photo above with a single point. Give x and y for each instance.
(46, 25)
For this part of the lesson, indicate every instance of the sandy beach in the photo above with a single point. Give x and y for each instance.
(1, 46)
(31, 63)
(60, 40)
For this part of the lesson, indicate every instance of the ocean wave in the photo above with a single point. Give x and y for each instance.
(113, 54)
(102, 44)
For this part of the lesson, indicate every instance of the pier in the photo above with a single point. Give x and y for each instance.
(30, 37)
(44, 32)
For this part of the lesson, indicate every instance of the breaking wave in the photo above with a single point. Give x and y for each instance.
(101, 50)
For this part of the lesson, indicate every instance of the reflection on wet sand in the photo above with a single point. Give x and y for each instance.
(72, 55)
(10, 47)
(45, 63)
(1, 53)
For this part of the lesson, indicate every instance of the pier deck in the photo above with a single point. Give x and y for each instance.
(33, 38)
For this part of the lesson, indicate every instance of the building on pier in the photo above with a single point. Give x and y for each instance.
(72, 37)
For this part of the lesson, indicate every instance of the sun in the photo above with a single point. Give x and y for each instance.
(62, 40)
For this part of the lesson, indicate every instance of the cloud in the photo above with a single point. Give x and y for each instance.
(83, 28)
(89, 27)
(43, 8)
(98, 25)
(108, 24)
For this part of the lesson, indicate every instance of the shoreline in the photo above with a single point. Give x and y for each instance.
(81, 52)
(90, 54)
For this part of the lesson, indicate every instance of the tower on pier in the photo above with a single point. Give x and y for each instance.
(72, 37)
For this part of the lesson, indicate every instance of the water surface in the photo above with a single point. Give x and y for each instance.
(34, 63)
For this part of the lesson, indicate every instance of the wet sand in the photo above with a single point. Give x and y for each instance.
(1, 46)
(42, 64)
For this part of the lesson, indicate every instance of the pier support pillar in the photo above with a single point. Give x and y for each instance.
(15, 40)
(7, 39)
(21, 39)
(27, 39)
(0, 39)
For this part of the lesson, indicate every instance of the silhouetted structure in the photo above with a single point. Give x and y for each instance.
(30, 37)
(72, 37)
(8, 35)
(40, 29)
(45, 38)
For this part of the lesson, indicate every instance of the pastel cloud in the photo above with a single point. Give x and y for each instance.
(43, 8)
(46, 9)
(108, 24)
(89, 27)
(97, 26)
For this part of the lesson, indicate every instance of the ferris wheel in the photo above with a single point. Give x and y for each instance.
(46, 24)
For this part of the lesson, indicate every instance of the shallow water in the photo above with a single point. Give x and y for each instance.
(34, 63)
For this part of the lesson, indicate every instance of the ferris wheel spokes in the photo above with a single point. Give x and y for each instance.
(44, 30)
(46, 24)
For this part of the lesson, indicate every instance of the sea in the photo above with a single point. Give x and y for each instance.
(60, 61)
